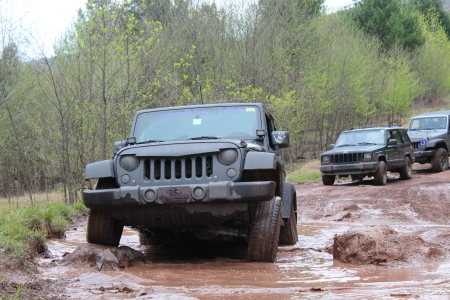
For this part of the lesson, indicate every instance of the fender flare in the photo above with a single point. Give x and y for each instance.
(100, 169)
(260, 161)
(288, 202)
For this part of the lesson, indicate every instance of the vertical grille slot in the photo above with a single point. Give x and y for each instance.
(188, 167)
(178, 169)
(157, 167)
(167, 169)
(198, 167)
(147, 166)
(209, 166)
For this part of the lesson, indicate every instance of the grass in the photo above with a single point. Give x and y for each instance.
(24, 230)
(304, 172)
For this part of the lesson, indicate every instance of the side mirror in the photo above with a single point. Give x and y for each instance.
(331, 146)
(392, 142)
(281, 139)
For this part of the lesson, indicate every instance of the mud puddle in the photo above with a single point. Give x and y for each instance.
(305, 271)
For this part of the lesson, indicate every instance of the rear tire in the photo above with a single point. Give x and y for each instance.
(439, 162)
(380, 176)
(265, 231)
(406, 170)
(103, 229)
(328, 179)
(288, 232)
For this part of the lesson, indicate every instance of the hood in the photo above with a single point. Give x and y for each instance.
(181, 148)
(353, 149)
(432, 134)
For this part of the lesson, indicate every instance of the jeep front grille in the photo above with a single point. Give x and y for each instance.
(346, 158)
(171, 169)
(415, 145)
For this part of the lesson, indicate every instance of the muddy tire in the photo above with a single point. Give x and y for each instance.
(406, 170)
(265, 231)
(288, 232)
(103, 229)
(439, 162)
(380, 176)
(328, 179)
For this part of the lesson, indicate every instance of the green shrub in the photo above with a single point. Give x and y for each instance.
(24, 231)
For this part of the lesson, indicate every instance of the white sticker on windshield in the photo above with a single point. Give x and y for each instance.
(249, 109)
(197, 122)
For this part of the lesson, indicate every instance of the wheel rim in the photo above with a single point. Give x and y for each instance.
(443, 160)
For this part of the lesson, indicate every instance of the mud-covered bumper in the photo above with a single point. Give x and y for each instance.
(213, 192)
(423, 153)
(349, 169)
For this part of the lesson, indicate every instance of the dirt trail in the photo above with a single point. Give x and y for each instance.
(417, 209)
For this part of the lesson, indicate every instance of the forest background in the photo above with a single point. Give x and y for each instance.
(318, 73)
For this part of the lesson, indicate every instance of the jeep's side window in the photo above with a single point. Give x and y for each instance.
(396, 135)
(405, 136)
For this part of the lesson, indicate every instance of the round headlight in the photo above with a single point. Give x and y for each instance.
(129, 162)
(228, 156)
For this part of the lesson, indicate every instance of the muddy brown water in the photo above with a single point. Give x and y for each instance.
(304, 271)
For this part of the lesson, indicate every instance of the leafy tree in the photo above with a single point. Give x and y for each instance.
(394, 23)
(434, 7)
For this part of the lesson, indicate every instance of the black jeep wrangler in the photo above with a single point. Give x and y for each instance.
(370, 151)
(210, 172)
(430, 135)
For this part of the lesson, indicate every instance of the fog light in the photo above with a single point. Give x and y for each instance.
(231, 172)
(198, 193)
(150, 195)
(125, 179)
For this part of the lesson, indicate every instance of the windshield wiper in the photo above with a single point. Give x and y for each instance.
(343, 145)
(204, 137)
(366, 143)
(150, 141)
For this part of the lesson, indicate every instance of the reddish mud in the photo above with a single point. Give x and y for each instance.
(397, 237)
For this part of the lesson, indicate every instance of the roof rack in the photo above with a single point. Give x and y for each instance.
(375, 126)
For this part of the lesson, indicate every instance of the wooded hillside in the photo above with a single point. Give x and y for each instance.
(318, 73)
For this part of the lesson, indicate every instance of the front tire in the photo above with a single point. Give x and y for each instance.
(439, 162)
(380, 176)
(103, 229)
(406, 170)
(265, 231)
(328, 179)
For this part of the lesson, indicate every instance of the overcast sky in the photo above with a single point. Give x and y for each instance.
(48, 19)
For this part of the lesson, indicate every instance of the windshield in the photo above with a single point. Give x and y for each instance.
(428, 123)
(197, 123)
(361, 137)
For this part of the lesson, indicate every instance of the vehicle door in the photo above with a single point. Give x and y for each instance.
(392, 152)
(270, 125)
(407, 148)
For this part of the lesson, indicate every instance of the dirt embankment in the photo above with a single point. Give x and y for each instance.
(387, 223)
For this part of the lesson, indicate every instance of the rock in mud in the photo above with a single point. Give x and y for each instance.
(103, 258)
(383, 245)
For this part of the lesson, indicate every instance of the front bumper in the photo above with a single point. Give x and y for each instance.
(424, 153)
(215, 192)
(349, 169)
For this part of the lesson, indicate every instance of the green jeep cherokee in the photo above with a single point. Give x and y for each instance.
(368, 152)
